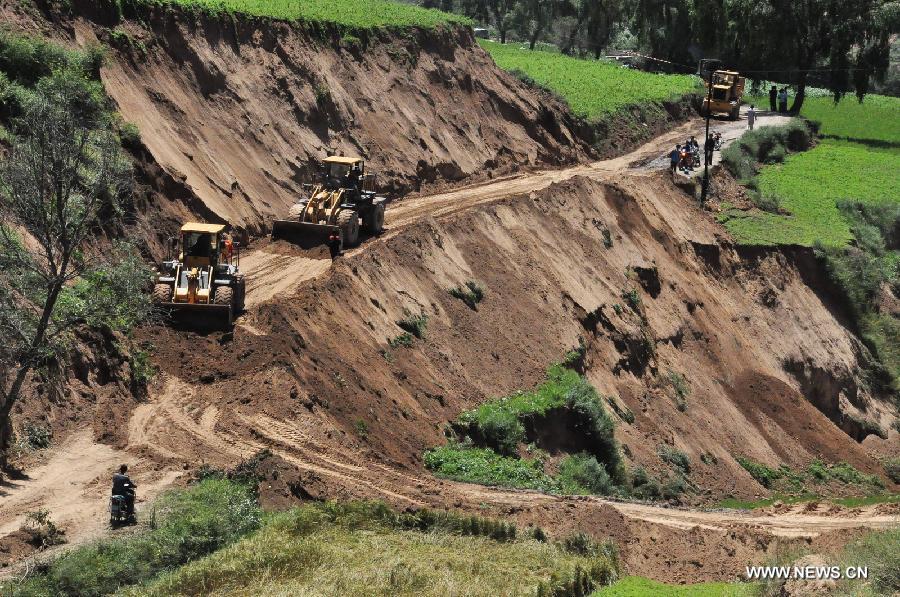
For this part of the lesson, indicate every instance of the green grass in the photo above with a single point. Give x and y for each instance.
(329, 549)
(847, 502)
(810, 184)
(876, 119)
(352, 14)
(880, 553)
(858, 160)
(794, 486)
(486, 467)
(548, 395)
(592, 88)
(188, 524)
(638, 586)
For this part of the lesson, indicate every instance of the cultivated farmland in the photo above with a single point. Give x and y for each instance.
(858, 160)
(593, 88)
(352, 14)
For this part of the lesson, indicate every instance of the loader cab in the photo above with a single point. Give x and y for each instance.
(347, 173)
(199, 244)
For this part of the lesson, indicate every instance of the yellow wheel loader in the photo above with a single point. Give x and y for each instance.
(724, 90)
(332, 212)
(203, 283)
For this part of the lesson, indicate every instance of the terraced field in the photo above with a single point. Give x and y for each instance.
(593, 88)
(353, 14)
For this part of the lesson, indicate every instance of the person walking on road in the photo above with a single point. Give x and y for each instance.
(783, 100)
(773, 99)
(751, 116)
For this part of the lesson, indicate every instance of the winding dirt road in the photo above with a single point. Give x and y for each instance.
(272, 273)
(73, 481)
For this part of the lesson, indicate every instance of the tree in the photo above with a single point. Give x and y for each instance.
(64, 173)
(665, 26)
(501, 14)
(842, 43)
(532, 18)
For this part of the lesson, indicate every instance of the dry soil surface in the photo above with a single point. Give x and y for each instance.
(218, 401)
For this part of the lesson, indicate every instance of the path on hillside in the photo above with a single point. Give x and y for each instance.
(271, 273)
(73, 482)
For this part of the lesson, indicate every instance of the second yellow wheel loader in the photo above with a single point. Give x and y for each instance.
(333, 210)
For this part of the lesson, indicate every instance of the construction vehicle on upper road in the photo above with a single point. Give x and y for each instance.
(724, 89)
(332, 212)
(204, 278)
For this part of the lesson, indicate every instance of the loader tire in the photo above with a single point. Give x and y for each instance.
(162, 293)
(374, 220)
(224, 296)
(348, 221)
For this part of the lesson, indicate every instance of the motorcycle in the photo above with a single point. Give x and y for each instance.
(121, 510)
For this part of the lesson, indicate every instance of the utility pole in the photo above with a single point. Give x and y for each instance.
(704, 187)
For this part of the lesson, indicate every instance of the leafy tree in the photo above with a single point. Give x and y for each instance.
(63, 174)
(595, 21)
(665, 27)
(841, 43)
(501, 12)
(532, 18)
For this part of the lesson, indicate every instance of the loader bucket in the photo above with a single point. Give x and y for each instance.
(304, 234)
(200, 315)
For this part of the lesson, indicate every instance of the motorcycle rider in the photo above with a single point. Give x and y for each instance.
(124, 486)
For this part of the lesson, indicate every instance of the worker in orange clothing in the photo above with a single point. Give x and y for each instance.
(227, 248)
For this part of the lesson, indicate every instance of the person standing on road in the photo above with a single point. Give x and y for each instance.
(751, 116)
(674, 158)
(783, 100)
(773, 99)
(709, 146)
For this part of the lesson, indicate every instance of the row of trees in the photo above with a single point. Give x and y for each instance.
(839, 44)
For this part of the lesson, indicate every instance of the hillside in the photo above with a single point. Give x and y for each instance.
(550, 332)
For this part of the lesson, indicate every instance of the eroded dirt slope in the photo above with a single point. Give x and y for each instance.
(237, 112)
(310, 376)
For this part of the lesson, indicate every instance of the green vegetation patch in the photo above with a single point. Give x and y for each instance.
(874, 121)
(186, 524)
(353, 14)
(365, 549)
(880, 552)
(810, 184)
(489, 440)
(593, 88)
(485, 467)
(796, 483)
(638, 586)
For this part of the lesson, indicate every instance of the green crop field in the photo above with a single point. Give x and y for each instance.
(638, 586)
(858, 160)
(593, 88)
(353, 14)
(810, 185)
(876, 120)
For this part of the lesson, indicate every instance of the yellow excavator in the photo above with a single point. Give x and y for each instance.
(332, 212)
(724, 89)
(204, 279)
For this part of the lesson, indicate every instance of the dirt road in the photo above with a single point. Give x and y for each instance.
(272, 273)
(173, 427)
